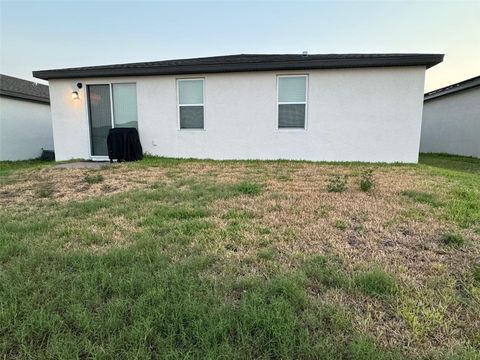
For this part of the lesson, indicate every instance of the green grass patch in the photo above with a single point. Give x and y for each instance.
(452, 240)
(453, 163)
(325, 271)
(421, 197)
(8, 167)
(93, 178)
(341, 225)
(376, 283)
(248, 188)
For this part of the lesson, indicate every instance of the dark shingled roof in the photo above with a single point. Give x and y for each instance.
(451, 89)
(244, 62)
(22, 89)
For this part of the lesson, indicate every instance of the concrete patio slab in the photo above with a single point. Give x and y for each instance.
(83, 165)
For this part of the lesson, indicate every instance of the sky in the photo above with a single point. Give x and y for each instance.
(55, 34)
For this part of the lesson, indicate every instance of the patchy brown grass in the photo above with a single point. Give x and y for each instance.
(293, 219)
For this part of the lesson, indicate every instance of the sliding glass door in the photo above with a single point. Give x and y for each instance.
(100, 113)
(125, 105)
(110, 105)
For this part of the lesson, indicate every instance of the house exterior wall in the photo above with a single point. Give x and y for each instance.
(25, 128)
(451, 124)
(370, 114)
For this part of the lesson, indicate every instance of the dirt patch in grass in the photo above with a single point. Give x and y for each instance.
(70, 184)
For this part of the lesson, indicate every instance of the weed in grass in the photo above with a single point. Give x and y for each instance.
(337, 183)
(93, 178)
(367, 181)
(248, 188)
(452, 239)
(45, 190)
(422, 197)
(375, 282)
(341, 225)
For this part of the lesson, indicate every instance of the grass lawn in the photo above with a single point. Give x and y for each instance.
(185, 259)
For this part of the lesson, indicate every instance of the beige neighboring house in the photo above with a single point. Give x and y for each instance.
(25, 119)
(451, 119)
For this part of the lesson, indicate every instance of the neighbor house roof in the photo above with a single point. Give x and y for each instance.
(450, 89)
(244, 62)
(22, 89)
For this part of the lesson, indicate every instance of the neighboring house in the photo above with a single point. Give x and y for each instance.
(350, 107)
(25, 120)
(451, 119)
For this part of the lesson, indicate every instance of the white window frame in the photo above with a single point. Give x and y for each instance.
(179, 105)
(278, 128)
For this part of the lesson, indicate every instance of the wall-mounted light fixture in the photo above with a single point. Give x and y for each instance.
(75, 95)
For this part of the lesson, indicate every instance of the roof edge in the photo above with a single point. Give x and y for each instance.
(300, 63)
(17, 95)
(453, 88)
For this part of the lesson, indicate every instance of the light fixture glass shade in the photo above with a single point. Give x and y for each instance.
(75, 95)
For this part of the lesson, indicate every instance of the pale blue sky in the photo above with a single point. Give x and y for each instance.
(54, 34)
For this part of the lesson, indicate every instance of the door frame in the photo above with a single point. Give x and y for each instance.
(87, 110)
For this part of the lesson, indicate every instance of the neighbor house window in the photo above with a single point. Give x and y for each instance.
(190, 103)
(292, 101)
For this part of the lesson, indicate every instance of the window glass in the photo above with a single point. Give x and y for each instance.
(191, 117)
(292, 89)
(100, 117)
(125, 105)
(291, 116)
(190, 92)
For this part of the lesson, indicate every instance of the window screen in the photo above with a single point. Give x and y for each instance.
(191, 103)
(292, 101)
(125, 105)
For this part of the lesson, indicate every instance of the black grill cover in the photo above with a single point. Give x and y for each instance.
(124, 144)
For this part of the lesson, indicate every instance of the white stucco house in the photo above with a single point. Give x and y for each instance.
(25, 120)
(336, 107)
(451, 119)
